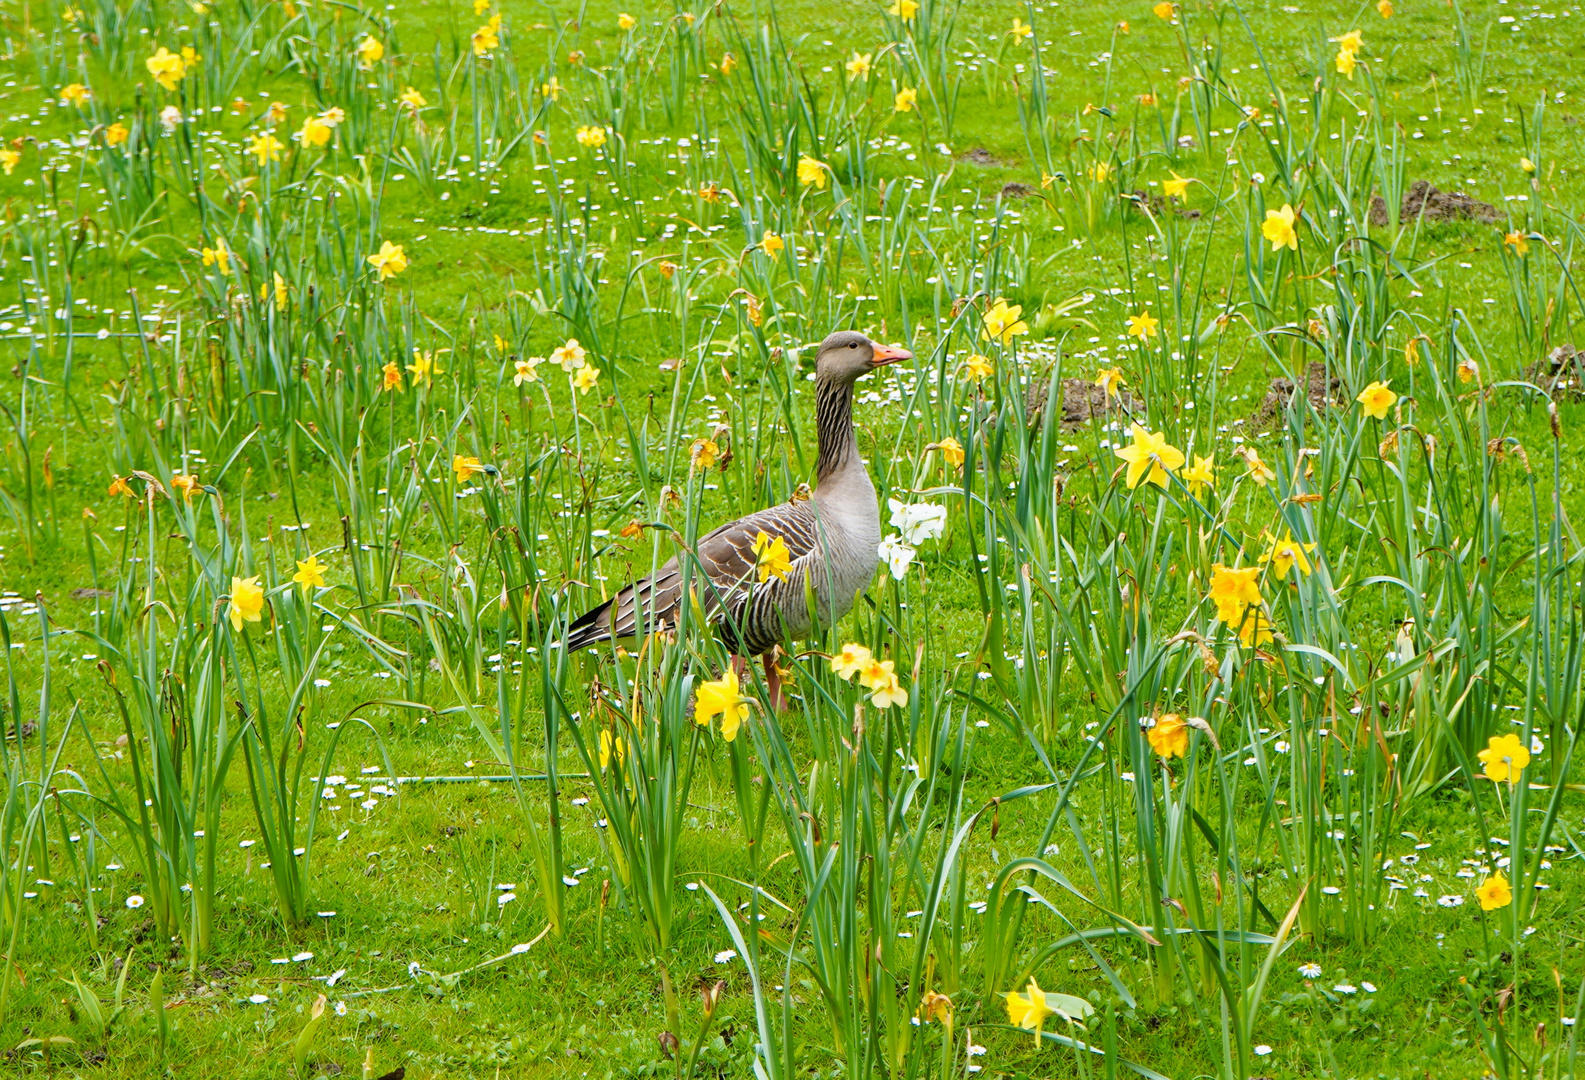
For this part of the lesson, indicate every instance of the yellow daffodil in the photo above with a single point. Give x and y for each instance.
(1100, 172)
(1255, 469)
(952, 451)
(370, 51)
(1346, 62)
(858, 67)
(1285, 554)
(1233, 591)
(279, 284)
(1254, 629)
(315, 132)
(586, 378)
(770, 243)
(569, 355)
(265, 147)
(190, 57)
(1200, 475)
(1109, 379)
(1527, 165)
(1168, 736)
(1384, 8)
(853, 659)
(1176, 187)
(1002, 322)
(721, 698)
(937, 1007)
(1020, 30)
(904, 10)
(412, 99)
(391, 377)
(1468, 370)
(74, 94)
(728, 64)
(1143, 325)
(481, 6)
(247, 602)
(187, 485)
(811, 173)
(168, 68)
(1029, 1010)
(119, 486)
(423, 368)
(465, 466)
(590, 137)
(486, 39)
(611, 748)
(624, 21)
(905, 100)
(1376, 399)
(704, 453)
(389, 261)
(979, 367)
(1494, 893)
(1163, 10)
(1517, 242)
(1504, 758)
(116, 134)
(771, 557)
(310, 574)
(1279, 229)
(552, 89)
(1353, 41)
(218, 257)
(1150, 457)
(9, 157)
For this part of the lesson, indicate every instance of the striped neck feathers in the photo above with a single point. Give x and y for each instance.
(839, 446)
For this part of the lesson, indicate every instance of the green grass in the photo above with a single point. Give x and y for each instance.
(1090, 615)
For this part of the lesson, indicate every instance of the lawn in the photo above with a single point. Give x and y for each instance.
(1211, 712)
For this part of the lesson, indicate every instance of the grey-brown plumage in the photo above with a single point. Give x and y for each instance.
(832, 538)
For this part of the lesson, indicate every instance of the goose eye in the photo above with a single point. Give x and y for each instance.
(853, 344)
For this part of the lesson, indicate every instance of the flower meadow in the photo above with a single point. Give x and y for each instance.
(1212, 711)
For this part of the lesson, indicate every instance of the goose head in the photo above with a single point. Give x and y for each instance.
(847, 355)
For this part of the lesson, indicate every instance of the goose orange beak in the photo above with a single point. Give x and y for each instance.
(889, 354)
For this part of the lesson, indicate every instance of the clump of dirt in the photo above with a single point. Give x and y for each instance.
(1319, 391)
(1561, 374)
(981, 156)
(1014, 190)
(1423, 200)
(1143, 200)
(1082, 402)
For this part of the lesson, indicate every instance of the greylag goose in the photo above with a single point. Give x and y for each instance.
(832, 540)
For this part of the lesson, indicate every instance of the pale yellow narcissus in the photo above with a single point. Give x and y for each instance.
(721, 698)
(525, 370)
(1285, 554)
(424, 368)
(310, 574)
(811, 173)
(1279, 229)
(771, 557)
(1168, 736)
(247, 602)
(859, 66)
(1150, 457)
(1376, 399)
(851, 660)
(1029, 1010)
(1504, 758)
(389, 261)
(889, 692)
(1143, 325)
(586, 378)
(1255, 469)
(1494, 893)
(569, 355)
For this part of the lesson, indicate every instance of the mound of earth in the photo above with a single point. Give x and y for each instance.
(1082, 402)
(1423, 200)
(1561, 374)
(1155, 204)
(1320, 391)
